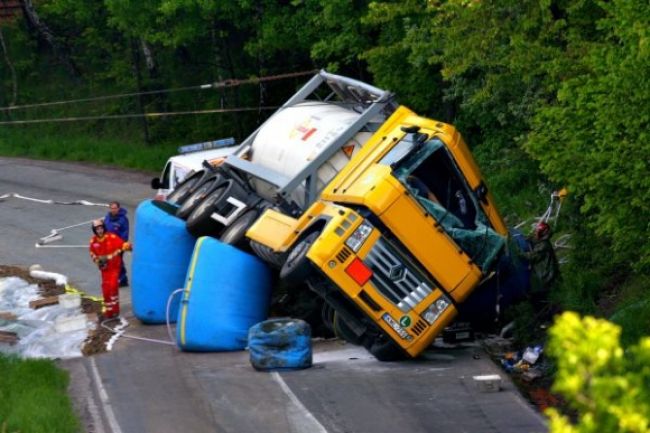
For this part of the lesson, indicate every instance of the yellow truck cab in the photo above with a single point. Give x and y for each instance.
(399, 238)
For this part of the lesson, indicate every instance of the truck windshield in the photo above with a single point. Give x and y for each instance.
(430, 173)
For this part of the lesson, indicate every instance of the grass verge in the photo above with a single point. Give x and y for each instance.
(33, 397)
(120, 150)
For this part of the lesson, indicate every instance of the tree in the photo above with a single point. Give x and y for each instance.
(594, 136)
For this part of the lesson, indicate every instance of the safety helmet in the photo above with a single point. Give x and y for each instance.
(98, 223)
(542, 230)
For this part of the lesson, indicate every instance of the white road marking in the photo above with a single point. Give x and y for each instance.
(304, 421)
(103, 396)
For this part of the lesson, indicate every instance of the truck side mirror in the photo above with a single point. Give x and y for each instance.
(155, 183)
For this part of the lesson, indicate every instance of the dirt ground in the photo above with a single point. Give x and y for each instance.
(97, 338)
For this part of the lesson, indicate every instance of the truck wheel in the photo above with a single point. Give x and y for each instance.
(235, 233)
(298, 267)
(344, 331)
(185, 188)
(197, 196)
(276, 260)
(384, 349)
(199, 222)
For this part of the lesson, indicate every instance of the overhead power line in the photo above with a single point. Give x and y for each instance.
(216, 85)
(131, 116)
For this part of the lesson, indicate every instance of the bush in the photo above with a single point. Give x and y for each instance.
(605, 385)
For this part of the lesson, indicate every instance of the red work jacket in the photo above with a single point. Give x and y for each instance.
(110, 245)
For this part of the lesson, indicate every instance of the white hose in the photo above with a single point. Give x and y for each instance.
(38, 200)
(169, 302)
(119, 332)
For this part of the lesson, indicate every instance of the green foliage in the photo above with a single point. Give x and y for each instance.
(112, 149)
(632, 312)
(594, 138)
(33, 397)
(607, 386)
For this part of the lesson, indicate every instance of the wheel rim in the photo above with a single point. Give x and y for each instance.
(207, 204)
(297, 252)
(182, 190)
(300, 251)
(199, 194)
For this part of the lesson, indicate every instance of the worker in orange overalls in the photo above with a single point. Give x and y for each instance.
(105, 251)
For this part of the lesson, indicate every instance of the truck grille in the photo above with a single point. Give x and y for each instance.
(397, 280)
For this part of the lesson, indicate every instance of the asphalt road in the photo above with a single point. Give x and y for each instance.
(23, 222)
(148, 386)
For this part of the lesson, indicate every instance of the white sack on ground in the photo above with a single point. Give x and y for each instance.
(59, 279)
(36, 330)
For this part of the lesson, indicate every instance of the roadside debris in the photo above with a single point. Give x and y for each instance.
(523, 362)
(488, 382)
(7, 316)
(8, 337)
(43, 302)
(38, 319)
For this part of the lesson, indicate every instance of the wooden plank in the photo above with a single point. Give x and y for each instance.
(4, 315)
(38, 303)
(8, 337)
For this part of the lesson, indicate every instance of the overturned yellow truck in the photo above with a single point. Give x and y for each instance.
(377, 212)
(404, 233)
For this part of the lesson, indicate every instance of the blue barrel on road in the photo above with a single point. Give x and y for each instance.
(162, 250)
(280, 344)
(226, 292)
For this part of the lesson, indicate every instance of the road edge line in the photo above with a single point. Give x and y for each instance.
(103, 396)
(294, 399)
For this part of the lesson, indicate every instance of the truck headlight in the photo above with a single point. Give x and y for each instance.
(359, 236)
(434, 311)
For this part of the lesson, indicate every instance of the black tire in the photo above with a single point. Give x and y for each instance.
(384, 349)
(235, 233)
(199, 194)
(297, 267)
(185, 188)
(275, 260)
(199, 222)
(343, 330)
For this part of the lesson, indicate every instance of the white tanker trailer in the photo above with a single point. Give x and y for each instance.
(287, 161)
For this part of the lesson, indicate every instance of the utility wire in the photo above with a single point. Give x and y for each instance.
(159, 114)
(216, 85)
(131, 116)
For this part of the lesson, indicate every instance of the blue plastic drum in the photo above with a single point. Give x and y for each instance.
(162, 250)
(227, 291)
(280, 344)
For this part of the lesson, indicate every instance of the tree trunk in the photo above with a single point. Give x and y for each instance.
(12, 71)
(135, 57)
(44, 32)
(148, 57)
